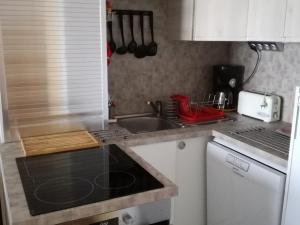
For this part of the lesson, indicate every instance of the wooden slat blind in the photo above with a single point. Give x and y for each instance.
(54, 61)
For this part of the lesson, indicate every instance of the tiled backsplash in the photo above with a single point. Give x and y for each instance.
(179, 67)
(279, 72)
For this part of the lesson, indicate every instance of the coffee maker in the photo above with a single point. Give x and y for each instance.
(228, 81)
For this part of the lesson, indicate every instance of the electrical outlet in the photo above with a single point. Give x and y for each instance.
(267, 46)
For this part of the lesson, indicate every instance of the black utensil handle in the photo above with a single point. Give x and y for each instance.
(121, 27)
(109, 24)
(142, 27)
(131, 25)
(151, 25)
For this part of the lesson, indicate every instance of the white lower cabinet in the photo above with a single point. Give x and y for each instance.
(183, 162)
(161, 156)
(190, 205)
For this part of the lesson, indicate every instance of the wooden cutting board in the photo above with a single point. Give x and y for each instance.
(53, 143)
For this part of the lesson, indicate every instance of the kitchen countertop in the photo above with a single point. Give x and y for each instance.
(250, 148)
(18, 211)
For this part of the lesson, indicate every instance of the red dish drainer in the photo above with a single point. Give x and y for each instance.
(197, 113)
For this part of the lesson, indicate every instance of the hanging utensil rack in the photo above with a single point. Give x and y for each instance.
(150, 49)
(132, 12)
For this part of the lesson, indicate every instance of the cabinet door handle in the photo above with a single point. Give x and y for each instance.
(181, 145)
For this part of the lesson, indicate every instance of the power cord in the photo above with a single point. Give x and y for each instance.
(259, 56)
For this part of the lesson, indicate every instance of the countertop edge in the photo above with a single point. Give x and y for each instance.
(13, 186)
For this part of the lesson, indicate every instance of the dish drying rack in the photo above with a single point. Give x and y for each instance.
(184, 111)
(210, 100)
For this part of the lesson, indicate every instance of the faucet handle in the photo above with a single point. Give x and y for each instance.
(158, 102)
(157, 107)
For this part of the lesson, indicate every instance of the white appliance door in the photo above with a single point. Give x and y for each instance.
(291, 210)
(241, 191)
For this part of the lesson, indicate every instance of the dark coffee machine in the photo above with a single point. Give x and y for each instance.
(229, 80)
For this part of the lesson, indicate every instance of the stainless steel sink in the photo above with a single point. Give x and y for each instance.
(145, 124)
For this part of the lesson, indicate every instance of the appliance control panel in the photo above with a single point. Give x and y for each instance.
(154, 213)
(237, 162)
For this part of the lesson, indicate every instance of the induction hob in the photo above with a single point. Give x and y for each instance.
(66, 180)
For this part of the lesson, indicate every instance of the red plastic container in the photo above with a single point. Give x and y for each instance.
(195, 114)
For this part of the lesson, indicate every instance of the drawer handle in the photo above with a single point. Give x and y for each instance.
(181, 145)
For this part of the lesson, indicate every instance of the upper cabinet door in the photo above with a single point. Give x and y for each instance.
(266, 20)
(220, 20)
(292, 31)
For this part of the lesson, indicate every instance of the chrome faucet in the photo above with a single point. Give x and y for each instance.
(157, 107)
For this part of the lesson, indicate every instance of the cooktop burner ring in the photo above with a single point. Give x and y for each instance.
(62, 182)
(123, 176)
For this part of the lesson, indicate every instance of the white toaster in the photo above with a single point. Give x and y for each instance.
(266, 107)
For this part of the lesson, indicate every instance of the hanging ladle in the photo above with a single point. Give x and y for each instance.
(111, 43)
(132, 46)
(123, 49)
(152, 47)
(141, 51)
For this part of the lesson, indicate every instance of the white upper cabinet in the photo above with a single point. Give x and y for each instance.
(266, 20)
(292, 31)
(234, 20)
(220, 20)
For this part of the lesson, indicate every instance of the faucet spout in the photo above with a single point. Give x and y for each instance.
(157, 107)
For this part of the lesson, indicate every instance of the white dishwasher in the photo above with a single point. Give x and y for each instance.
(240, 190)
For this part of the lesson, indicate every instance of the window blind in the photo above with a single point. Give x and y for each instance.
(54, 63)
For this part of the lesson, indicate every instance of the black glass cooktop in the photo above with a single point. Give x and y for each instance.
(65, 180)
